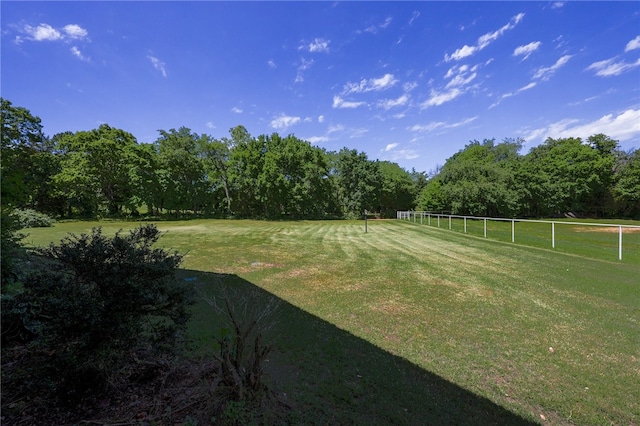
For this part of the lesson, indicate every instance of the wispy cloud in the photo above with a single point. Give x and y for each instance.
(527, 49)
(483, 41)
(557, 5)
(622, 126)
(415, 15)
(373, 29)
(317, 45)
(633, 44)
(509, 94)
(272, 64)
(158, 64)
(435, 125)
(609, 67)
(545, 73)
(304, 65)
(284, 121)
(236, 110)
(391, 153)
(75, 32)
(460, 78)
(338, 102)
(387, 104)
(78, 54)
(370, 85)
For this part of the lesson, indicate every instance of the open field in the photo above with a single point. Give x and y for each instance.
(411, 324)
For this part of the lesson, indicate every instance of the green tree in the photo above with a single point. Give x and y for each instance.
(478, 180)
(358, 182)
(398, 189)
(182, 172)
(95, 169)
(28, 162)
(627, 185)
(566, 175)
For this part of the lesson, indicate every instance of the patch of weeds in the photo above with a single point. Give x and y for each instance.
(240, 393)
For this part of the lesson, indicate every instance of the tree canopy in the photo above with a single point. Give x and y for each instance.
(106, 171)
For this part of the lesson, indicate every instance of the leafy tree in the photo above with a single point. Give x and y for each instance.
(627, 185)
(182, 172)
(478, 180)
(398, 189)
(95, 169)
(358, 182)
(432, 198)
(215, 157)
(564, 175)
(27, 159)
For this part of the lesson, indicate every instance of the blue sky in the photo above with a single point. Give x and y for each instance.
(408, 82)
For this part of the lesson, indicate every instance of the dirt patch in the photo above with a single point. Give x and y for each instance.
(607, 229)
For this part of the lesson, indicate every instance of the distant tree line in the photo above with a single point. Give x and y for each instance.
(106, 172)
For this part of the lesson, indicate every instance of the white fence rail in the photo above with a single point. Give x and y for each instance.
(438, 218)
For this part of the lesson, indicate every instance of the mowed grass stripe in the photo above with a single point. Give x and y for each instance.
(480, 313)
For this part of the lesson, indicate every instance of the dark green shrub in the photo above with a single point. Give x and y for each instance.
(96, 303)
(29, 218)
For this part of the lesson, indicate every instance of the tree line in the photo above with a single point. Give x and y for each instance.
(106, 172)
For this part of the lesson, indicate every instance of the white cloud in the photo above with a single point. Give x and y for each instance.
(335, 128)
(545, 73)
(527, 49)
(434, 125)
(439, 98)
(75, 32)
(321, 119)
(461, 80)
(414, 16)
(623, 126)
(390, 146)
(272, 64)
(284, 121)
(370, 85)
(373, 29)
(483, 41)
(210, 125)
(78, 54)
(609, 67)
(304, 65)
(317, 139)
(158, 64)
(43, 32)
(391, 103)
(317, 45)
(398, 154)
(508, 95)
(236, 110)
(633, 44)
(557, 5)
(338, 102)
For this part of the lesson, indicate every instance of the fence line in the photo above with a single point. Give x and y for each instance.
(408, 215)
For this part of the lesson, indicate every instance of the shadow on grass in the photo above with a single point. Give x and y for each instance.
(329, 376)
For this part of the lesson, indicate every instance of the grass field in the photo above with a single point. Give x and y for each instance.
(410, 324)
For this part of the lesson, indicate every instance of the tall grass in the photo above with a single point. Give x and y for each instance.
(411, 324)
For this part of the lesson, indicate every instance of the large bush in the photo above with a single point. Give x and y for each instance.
(94, 304)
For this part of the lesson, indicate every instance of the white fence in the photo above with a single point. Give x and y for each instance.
(446, 220)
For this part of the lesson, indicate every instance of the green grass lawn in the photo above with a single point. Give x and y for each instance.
(411, 324)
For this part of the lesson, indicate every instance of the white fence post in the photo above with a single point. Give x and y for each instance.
(553, 235)
(485, 227)
(465, 224)
(513, 231)
(620, 243)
